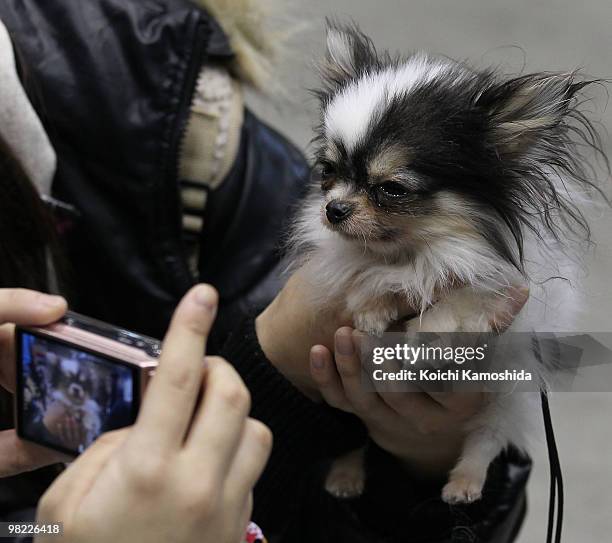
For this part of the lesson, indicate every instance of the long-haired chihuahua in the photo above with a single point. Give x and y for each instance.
(432, 181)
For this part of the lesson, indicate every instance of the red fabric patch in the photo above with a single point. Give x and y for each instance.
(254, 534)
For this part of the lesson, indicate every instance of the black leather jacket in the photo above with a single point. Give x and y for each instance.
(113, 81)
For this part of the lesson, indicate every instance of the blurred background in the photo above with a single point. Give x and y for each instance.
(522, 35)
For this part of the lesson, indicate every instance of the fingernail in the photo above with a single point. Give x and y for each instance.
(206, 297)
(52, 300)
(344, 344)
(317, 360)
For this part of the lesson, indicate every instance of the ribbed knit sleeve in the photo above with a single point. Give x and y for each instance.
(305, 432)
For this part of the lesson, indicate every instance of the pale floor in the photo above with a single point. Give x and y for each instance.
(545, 35)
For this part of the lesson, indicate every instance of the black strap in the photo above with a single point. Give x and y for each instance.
(556, 477)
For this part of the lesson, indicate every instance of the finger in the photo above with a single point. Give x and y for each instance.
(244, 519)
(413, 404)
(82, 434)
(366, 403)
(324, 374)
(249, 462)
(69, 431)
(461, 404)
(61, 432)
(219, 422)
(421, 411)
(25, 307)
(18, 456)
(509, 307)
(68, 490)
(77, 433)
(7, 357)
(28, 307)
(172, 395)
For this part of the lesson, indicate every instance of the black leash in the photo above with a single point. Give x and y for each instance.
(556, 477)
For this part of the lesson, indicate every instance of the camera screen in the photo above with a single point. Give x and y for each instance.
(67, 397)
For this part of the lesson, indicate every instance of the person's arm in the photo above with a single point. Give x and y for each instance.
(184, 472)
(306, 433)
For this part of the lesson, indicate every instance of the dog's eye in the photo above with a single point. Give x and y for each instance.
(392, 189)
(324, 173)
(327, 171)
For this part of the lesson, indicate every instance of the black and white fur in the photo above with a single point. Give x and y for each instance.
(433, 180)
(75, 389)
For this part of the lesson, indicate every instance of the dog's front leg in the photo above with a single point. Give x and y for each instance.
(373, 315)
(466, 309)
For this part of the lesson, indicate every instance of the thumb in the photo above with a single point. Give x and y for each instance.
(66, 493)
(28, 307)
(22, 306)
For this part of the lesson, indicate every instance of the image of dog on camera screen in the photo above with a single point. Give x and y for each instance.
(70, 397)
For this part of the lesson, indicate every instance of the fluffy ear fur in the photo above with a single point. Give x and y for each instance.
(540, 137)
(534, 110)
(350, 53)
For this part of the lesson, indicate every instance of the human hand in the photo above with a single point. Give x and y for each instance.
(186, 470)
(54, 415)
(26, 307)
(424, 429)
(60, 423)
(290, 325)
(71, 432)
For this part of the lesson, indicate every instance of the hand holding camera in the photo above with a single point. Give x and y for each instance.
(185, 471)
(193, 420)
(143, 478)
(28, 308)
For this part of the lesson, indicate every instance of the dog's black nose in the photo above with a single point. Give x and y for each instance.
(337, 211)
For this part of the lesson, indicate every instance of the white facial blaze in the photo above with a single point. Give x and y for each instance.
(339, 192)
(356, 107)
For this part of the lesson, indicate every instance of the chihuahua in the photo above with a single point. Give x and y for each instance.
(432, 180)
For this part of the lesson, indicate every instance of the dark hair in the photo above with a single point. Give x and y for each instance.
(27, 233)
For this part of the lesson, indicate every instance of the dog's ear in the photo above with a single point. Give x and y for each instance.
(349, 54)
(532, 112)
(545, 145)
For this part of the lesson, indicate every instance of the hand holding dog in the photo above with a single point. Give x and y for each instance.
(26, 307)
(186, 470)
(425, 430)
(292, 324)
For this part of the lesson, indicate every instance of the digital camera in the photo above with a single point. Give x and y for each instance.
(77, 379)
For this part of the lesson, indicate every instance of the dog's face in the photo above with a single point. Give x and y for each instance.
(417, 149)
(73, 383)
(392, 167)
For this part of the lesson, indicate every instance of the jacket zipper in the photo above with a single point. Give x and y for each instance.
(178, 141)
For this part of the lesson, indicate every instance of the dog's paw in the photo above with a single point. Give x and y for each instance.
(373, 315)
(462, 490)
(344, 485)
(447, 319)
(372, 323)
(346, 477)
